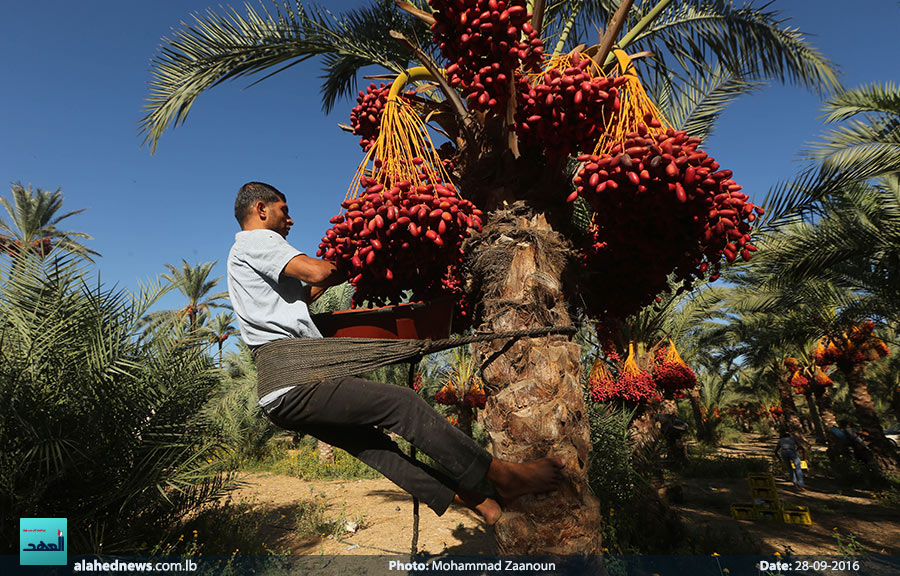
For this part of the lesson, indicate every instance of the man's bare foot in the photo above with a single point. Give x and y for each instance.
(488, 507)
(512, 480)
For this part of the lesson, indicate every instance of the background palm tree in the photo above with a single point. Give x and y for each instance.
(97, 421)
(195, 285)
(535, 403)
(220, 329)
(33, 219)
(835, 233)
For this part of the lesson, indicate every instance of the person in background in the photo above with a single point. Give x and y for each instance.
(860, 449)
(790, 451)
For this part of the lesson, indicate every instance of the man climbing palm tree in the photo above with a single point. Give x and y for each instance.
(271, 284)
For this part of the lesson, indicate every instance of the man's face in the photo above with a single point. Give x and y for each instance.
(277, 218)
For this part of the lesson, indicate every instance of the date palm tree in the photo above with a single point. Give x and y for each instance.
(838, 224)
(220, 329)
(96, 422)
(33, 220)
(518, 261)
(196, 286)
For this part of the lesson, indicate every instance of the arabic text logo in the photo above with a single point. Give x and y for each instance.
(42, 541)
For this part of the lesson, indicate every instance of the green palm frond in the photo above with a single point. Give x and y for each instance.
(68, 346)
(697, 105)
(791, 201)
(33, 217)
(859, 151)
(195, 284)
(748, 42)
(362, 38)
(871, 98)
(217, 48)
(220, 47)
(333, 299)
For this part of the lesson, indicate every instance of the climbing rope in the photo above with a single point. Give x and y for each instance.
(304, 361)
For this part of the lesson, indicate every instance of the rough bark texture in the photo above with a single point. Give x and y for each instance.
(675, 446)
(826, 411)
(895, 400)
(814, 416)
(694, 398)
(885, 454)
(465, 416)
(648, 442)
(326, 453)
(790, 417)
(535, 405)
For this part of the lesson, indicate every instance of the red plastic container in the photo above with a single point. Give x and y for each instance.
(413, 321)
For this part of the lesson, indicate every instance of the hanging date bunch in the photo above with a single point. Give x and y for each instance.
(365, 117)
(661, 206)
(403, 222)
(601, 383)
(671, 374)
(633, 383)
(41, 247)
(857, 346)
(565, 107)
(798, 380)
(464, 387)
(486, 41)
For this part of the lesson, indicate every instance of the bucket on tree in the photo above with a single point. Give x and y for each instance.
(413, 321)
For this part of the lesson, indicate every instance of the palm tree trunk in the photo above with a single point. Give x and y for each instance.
(465, 417)
(648, 444)
(694, 397)
(786, 396)
(674, 442)
(326, 453)
(535, 405)
(814, 416)
(885, 454)
(895, 400)
(643, 427)
(826, 410)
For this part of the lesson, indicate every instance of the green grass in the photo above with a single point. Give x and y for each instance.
(220, 529)
(303, 462)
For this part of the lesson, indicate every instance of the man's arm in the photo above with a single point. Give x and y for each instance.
(315, 292)
(317, 273)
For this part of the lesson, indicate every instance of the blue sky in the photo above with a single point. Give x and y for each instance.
(75, 79)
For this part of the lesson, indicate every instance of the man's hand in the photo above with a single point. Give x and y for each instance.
(315, 272)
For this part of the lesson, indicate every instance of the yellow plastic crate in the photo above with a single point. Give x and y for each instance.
(767, 493)
(761, 481)
(743, 512)
(769, 515)
(796, 515)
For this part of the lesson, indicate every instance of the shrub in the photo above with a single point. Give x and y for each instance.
(303, 462)
(234, 412)
(98, 422)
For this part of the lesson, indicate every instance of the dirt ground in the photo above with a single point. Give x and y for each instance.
(833, 510)
(383, 515)
(382, 512)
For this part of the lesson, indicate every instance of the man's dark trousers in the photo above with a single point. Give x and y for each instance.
(350, 413)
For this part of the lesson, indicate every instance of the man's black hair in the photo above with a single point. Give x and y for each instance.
(251, 193)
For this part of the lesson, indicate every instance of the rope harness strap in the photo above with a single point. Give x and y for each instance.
(302, 361)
